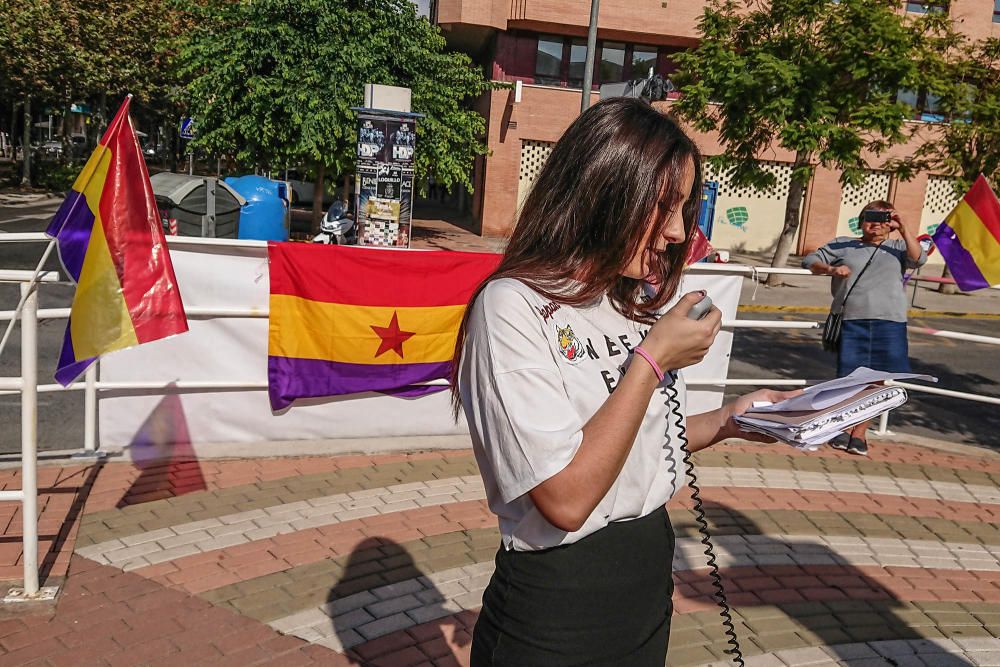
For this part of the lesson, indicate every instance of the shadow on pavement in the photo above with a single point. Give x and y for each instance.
(853, 584)
(359, 577)
(162, 451)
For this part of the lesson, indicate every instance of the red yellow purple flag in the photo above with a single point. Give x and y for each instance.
(969, 238)
(347, 320)
(699, 249)
(111, 244)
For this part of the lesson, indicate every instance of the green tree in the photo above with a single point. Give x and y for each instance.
(815, 77)
(272, 83)
(38, 58)
(965, 78)
(57, 52)
(128, 47)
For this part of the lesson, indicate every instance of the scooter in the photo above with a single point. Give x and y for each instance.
(337, 226)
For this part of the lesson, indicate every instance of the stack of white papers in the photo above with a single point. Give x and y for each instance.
(824, 410)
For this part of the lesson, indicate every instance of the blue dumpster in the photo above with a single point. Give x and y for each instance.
(706, 217)
(265, 215)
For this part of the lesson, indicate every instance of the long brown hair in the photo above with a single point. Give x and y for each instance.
(590, 207)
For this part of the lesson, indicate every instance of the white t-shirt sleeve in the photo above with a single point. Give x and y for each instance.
(513, 392)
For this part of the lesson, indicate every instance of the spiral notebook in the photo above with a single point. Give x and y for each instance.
(824, 410)
(811, 428)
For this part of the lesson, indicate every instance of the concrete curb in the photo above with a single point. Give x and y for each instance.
(272, 449)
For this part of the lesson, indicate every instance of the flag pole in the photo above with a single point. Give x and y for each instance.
(31, 284)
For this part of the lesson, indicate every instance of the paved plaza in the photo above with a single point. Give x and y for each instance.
(381, 560)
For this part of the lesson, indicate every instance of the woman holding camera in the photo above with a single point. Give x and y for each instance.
(868, 272)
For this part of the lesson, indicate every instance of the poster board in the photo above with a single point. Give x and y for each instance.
(386, 145)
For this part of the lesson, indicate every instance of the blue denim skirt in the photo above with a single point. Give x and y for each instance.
(877, 344)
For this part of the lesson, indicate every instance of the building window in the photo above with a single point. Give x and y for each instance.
(996, 11)
(926, 105)
(577, 61)
(549, 60)
(644, 58)
(612, 69)
(927, 7)
(560, 61)
(426, 9)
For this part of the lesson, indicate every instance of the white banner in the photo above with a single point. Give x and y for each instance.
(725, 293)
(233, 350)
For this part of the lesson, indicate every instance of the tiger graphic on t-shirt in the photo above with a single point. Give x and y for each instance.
(570, 347)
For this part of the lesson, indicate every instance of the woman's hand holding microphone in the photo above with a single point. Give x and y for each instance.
(678, 340)
(675, 341)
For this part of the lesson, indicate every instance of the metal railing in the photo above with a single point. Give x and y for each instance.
(27, 384)
(27, 495)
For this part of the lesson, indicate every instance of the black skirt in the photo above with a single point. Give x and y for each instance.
(604, 600)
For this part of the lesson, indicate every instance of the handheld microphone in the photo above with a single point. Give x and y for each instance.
(700, 309)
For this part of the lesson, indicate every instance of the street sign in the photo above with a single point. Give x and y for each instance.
(187, 128)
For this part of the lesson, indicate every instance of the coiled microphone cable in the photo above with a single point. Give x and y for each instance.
(674, 406)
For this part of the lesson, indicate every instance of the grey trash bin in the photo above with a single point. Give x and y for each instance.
(184, 205)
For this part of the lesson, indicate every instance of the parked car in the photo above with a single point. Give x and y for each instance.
(155, 153)
(49, 150)
(78, 146)
(303, 190)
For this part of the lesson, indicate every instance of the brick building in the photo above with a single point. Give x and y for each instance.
(542, 44)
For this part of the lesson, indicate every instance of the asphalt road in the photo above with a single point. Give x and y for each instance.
(960, 366)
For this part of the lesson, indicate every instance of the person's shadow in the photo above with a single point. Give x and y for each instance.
(862, 610)
(382, 592)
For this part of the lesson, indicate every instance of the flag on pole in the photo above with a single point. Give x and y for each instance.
(111, 244)
(699, 249)
(969, 238)
(347, 320)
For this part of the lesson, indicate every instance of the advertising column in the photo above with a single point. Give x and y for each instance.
(386, 143)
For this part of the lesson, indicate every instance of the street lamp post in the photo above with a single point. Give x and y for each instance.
(588, 68)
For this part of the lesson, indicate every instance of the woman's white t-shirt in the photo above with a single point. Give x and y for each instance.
(533, 372)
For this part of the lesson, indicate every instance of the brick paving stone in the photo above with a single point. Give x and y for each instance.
(131, 634)
(803, 656)
(689, 655)
(914, 545)
(125, 520)
(719, 457)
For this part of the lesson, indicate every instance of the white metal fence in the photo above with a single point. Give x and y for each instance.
(28, 387)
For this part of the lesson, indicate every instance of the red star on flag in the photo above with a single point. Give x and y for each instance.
(392, 337)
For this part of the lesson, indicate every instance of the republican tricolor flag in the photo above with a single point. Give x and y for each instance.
(111, 244)
(346, 320)
(969, 238)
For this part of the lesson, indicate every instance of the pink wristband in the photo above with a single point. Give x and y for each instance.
(649, 358)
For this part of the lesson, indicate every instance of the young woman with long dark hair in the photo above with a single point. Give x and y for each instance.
(560, 366)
